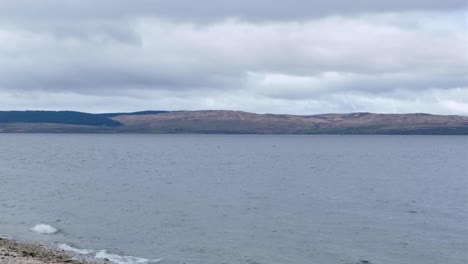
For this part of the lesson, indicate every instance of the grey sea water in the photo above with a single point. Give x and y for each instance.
(214, 199)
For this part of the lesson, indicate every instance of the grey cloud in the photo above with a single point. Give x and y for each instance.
(212, 9)
(372, 85)
(263, 56)
(184, 56)
(113, 18)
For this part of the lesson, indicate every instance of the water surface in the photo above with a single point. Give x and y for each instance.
(214, 199)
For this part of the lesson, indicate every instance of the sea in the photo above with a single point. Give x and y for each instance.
(239, 199)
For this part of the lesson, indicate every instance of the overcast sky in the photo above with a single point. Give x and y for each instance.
(295, 56)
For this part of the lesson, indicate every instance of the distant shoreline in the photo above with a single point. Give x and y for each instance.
(230, 122)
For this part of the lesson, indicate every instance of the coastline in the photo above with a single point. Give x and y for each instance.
(14, 251)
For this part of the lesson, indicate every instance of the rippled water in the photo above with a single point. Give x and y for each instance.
(214, 199)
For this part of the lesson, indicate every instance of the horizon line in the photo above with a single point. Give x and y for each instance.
(230, 110)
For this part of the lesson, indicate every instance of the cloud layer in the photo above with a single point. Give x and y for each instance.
(369, 56)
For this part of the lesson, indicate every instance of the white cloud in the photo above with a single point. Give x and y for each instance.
(329, 64)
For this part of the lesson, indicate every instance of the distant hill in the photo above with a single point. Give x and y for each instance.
(133, 113)
(236, 122)
(56, 117)
(231, 122)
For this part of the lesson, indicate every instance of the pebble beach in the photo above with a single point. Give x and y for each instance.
(17, 252)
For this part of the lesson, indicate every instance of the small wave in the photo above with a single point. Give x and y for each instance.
(75, 250)
(44, 229)
(103, 254)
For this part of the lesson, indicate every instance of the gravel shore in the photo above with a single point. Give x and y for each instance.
(16, 252)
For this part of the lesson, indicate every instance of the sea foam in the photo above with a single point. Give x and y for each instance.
(44, 229)
(103, 254)
(75, 250)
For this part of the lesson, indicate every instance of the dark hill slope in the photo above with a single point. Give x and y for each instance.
(133, 113)
(56, 117)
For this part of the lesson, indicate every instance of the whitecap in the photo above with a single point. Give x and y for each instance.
(44, 229)
(103, 254)
(75, 250)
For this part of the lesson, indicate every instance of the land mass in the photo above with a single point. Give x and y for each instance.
(231, 122)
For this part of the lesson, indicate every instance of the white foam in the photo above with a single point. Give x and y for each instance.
(75, 250)
(44, 229)
(103, 254)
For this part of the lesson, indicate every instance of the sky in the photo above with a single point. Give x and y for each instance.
(293, 57)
